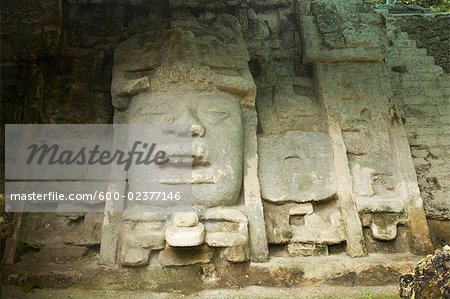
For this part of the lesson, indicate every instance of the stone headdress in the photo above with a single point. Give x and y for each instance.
(204, 55)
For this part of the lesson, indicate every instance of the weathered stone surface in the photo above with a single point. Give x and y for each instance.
(252, 192)
(331, 35)
(137, 241)
(378, 204)
(297, 167)
(193, 71)
(6, 220)
(289, 106)
(185, 236)
(440, 232)
(225, 227)
(186, 54)
(383, 231)
(185, 219)
(204, 58)
(134, 216)
(387, 162)
(383, 225)
(148, 239)
(186, 43)
(238, 254)
(226, 239)
(305, 209)
(285, 225)
(429, 32)
(421, 93)
(227, 214)
(307, 249)
(171, 256)
(134, 257)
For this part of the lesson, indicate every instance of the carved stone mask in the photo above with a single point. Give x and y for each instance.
(214, 122)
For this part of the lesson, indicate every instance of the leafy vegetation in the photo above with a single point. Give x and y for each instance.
(31, 285)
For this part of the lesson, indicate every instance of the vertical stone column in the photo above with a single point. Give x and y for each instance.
(347, 43)
(419, 239)
(347, 199)
(252, 193)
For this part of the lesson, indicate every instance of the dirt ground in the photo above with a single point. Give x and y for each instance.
(323, 292)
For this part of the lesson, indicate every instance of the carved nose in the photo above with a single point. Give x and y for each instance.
(187, 123)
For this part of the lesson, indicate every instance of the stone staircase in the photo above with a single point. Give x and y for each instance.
(421, 93)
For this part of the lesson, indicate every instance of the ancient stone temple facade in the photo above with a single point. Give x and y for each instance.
(301, 136)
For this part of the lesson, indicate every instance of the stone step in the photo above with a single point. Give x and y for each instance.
(402, 51)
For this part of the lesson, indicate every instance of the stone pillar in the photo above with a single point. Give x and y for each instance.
(347, 43)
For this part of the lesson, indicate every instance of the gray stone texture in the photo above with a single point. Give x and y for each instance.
(430, 31)
(421, 93)
(57, 64)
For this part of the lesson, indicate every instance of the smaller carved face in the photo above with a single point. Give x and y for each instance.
(296, 167)
(215, 125)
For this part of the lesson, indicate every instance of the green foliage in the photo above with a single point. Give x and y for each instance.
(31, 285)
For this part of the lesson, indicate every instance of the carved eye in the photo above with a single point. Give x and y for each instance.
(216, 115)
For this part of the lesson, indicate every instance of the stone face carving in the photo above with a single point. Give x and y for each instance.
(296, 167)
(216, 129)
(190, 78)
(315, 163)
(192, 73)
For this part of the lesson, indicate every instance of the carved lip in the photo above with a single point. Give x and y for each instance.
(187, 154)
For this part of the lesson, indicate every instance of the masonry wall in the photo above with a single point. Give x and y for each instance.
(430, 31)
(57, 55)
(421, 94)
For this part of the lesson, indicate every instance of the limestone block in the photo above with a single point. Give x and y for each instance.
(296, 166)
(307, 249)
(172, 256)
(143, 235)
(135, 216)
(149, 240)
(135, 257)
(378, 204)
(294, 222)
(304, 209)
(225, 227)
(226, 239)
(383, 225)
(323, 227)
(238, 254)
(185, 236)
(381, 231)
(228, 214)
(189, 219)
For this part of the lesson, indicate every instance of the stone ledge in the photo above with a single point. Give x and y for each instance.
(340, 270)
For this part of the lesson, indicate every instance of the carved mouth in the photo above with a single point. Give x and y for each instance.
(187, 154)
